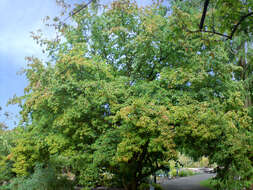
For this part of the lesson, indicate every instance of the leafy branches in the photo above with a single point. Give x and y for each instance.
(243, 16)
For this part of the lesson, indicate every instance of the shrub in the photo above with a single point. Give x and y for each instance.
(144, 186)
(184, 173)
(181, 173)
(86, 188)
(157, 186)
(42, 179)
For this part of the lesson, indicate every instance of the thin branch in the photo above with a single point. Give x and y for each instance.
(211, 32)
(240, 21)
(78, 10)
(202, 21)
(224, 35)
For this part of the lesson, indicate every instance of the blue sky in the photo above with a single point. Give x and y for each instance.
(17, 19)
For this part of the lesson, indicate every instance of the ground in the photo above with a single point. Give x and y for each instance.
(187, 183)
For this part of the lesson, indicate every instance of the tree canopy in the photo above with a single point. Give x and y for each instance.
(126, 88)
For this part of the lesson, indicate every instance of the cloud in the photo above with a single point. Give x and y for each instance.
(20, 18)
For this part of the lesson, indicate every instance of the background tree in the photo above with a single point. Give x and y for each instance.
(7, 138)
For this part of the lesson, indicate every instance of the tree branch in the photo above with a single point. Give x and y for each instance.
(78, 10)
(212, 32)
(240, 21)
(202, 21)
(224, 35)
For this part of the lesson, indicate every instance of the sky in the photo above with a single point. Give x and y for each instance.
(17, 19)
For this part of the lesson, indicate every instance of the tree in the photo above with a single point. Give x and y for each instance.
(125, 89)
(7, 138)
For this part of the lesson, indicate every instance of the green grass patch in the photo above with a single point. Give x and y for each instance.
(209, 183)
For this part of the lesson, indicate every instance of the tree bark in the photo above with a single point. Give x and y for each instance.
(202, 21)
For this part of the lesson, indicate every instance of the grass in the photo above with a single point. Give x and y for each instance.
(208, 183)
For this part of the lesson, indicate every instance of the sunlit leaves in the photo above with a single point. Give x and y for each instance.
(125, 90)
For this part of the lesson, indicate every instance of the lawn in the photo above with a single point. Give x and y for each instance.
(208, 183)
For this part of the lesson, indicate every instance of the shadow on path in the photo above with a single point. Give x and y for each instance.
(187, 183)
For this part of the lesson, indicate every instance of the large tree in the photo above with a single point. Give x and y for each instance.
(125, 89)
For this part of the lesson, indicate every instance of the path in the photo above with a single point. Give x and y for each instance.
(187, 183)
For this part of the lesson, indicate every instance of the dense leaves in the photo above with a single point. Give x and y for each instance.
(126, 89)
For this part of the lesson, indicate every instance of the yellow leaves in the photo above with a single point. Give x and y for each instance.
(124, 112)
(235, 100)
(144, 121)
(118, 29)
(144, 115)
(56, 143)
(124, 159)
(76, 59)
(153, 24)
(180, 17)
(124, 5)
(144, 125)
(9, 157)
(212, 54)
(21, 161)
(127, 148)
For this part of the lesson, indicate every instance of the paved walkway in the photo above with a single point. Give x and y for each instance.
(187, 183)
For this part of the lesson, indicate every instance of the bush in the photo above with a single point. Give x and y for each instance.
(173, 173)
(86, 188)
(189, 162)
(157, 186)
(209, 183)
(4, 187)
(181, 173)
(42, 179)
(184, 173)
(144, 186)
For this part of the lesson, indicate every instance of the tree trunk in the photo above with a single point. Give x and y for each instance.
(130, 184)
(134, 185)
(248, 102)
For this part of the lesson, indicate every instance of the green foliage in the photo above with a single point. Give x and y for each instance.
(184, 173)
(188, 162)
(157, 186)
(173, 173)
(144, 186)
(126, 89)
(42, 179)
(210, 183)
(227, 19)
(7, 141)
(181, 173)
